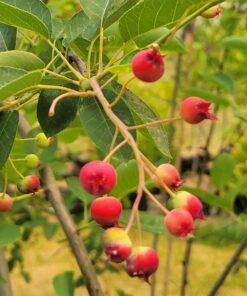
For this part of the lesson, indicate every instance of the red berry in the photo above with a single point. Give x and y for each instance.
(6, 202)
(169, 175)
(212, 12)
(148, 65)
(106, 211)
(142, 262)
(117, 244)
(190, 203)
(179, 222)
(29, 184)
(194, 110)
(98, 177)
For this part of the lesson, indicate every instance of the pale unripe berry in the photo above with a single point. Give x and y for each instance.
(142, 262)
(194, 110)
(117, 244)
(179, 222)
(169, 175)
(29, 184)
(6, 202)
(32, 161)
(189, 202)
(106, 211)
(148, 65)
(42, 141)
(98, 177)
(212, 12)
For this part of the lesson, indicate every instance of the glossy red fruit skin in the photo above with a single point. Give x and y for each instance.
(169, 175)
(6, 203)
(179, 222)
(98, 177)
(148, 65)
(106, 211)
(117, 244)
(194, 110)
(30, 184)
(142, 262)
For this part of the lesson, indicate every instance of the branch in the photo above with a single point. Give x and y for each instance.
(186, 266)
(228, 267)
(5, 288)
(66, 221)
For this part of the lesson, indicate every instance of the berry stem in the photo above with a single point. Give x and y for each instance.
(121, 93)
(108, 81)
(139, 226)
(25, 139)
(154, 199)
(114, 139)
(15, 169)
(153, 123)
(61, 76)
(51, 111)
(114, 150)
(28, 196)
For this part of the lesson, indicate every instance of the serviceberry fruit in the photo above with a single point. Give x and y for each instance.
(212, 12)
(179, 222)
(6, 202)
(106, 211)
(117, 244)
(98, 177)
(148, 65)
(42, 141)
(32, 161)
(169, 175)
(194, 110)
(189, 202)
(142, 262)
(29, 184)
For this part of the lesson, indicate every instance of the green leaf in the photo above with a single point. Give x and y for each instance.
(100, 128)
(8, 127)
(222, 170)
(64, 284)
(143, 114)
(76, 188)
(32, 15)
(13, 81)
(236, 42)
(222, 80)
(65, 112)
(96, 10)
(150, 222)
(149, 15)
(20, 60)
(9, 234)
(7, 37)
(207, 95)
(240, 187)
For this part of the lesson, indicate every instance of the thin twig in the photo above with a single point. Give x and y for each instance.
(114, 150)
(121, 93)
(186, 266)
(5, 287)
(153, 199)
(153, 123)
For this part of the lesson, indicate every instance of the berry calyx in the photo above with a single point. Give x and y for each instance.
(106, 211)
(32, 161)
(169, 175)
(142, 262)
(117, 244)
(179, 222)
(6, 202)
(194, 110)
(212, 12)
(148, 65)
(29, 184)
(42, 141)
(189, 202)
(98, 177)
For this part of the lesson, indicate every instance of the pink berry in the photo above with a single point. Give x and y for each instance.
(142, 262)
(212, 12)
(179, 222)
(169, 175)
(190, 203)
(148, 65)
(98, 177)
(106, 211)
(194, 110)
(117, 244)
(29, 184)
(6, 202)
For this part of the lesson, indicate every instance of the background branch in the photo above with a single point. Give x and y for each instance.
(5, 287)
